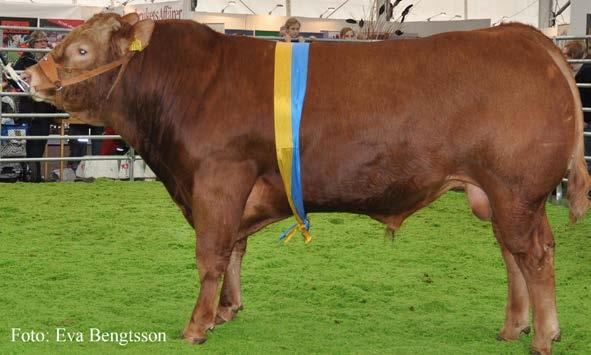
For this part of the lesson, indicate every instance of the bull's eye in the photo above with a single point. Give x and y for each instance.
(82, 51)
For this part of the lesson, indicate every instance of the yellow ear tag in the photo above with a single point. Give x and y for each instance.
(136, 45)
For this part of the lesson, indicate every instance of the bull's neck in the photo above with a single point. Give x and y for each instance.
(160, 93)
(165, 85)
(168, 101)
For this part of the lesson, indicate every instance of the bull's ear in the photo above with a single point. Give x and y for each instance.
(131, 18)
(142, 32)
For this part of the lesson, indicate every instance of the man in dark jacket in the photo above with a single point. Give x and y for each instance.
(584, 77)
(37, 126)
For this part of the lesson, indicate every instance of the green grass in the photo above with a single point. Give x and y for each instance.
(119, 256)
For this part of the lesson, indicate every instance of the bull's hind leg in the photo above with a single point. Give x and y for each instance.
(537, 265)
(218, 204)
(517, 310)
(526, 235)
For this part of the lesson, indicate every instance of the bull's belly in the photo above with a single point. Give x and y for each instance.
(376, 198)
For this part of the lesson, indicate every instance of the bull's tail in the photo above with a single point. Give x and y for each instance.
(579, 181)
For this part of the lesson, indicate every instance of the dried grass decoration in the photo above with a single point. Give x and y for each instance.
(383, 21)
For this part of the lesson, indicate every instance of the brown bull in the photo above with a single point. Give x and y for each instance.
(387, 128)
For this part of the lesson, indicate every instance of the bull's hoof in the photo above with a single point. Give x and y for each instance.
(557, 338)
(508, 335)
(194, 340)
(198, 341)
(196, 335)
(534, 351)
(227, 313)
(544, 349)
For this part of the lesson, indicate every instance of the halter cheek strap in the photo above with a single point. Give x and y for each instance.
(50, 69)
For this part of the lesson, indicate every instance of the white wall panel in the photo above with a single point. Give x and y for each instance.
(580, 10)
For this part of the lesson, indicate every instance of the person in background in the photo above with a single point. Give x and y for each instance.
(347, 33)
(292, 30)
(79, 147)
(96, 144)
(4, 59)
(113, 146)
(361, 35)
(576, 50)
(584, 77)
(37, 126)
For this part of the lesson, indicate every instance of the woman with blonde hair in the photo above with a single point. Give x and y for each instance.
(292, 30)
(347, 33)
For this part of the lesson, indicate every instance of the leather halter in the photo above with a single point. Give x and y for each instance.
(50, 69)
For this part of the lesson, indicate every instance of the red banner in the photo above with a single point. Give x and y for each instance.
(16, 38)
(56, 37)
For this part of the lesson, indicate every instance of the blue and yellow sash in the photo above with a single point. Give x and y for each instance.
(291, 71)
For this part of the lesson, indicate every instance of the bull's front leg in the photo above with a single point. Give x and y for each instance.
(266, 204)
(219, 198)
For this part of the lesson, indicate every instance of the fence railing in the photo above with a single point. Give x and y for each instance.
(44, 29)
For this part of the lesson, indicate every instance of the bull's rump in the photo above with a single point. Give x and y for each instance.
(387, 124)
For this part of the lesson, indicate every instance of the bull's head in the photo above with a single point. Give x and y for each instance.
(79, 74)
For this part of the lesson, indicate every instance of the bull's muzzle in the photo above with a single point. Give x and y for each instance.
(21, 82)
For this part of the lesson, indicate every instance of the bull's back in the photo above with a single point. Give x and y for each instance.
(394, 119)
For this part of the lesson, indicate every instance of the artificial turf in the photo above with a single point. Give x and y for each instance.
(119, 256)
